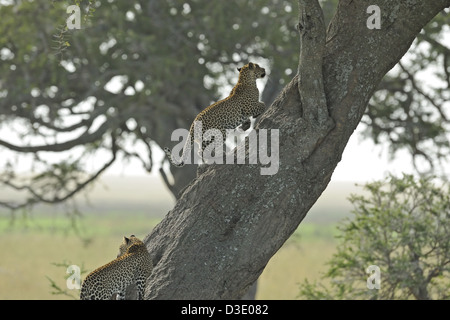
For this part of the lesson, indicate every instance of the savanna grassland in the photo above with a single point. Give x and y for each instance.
(35, 247)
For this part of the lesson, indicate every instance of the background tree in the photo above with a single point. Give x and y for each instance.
(402, 227)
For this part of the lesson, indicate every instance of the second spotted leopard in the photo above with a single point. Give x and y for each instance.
(132, 266)
(229, 113)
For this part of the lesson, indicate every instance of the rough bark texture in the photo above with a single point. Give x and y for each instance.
(231, 220)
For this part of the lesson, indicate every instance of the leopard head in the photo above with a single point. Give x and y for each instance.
(126, 244)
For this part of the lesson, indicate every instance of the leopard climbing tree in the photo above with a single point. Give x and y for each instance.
(226, 114)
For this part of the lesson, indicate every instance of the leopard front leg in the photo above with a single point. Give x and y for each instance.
(246, 124)
(256, 109)
(260, 108)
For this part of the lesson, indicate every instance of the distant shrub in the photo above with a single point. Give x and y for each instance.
(403, 229)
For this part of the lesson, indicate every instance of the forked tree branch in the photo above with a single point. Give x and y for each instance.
(85, 138)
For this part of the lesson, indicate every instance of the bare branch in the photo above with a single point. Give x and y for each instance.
(85, 138)
(42, 197)
(421, 92)
(166, 181)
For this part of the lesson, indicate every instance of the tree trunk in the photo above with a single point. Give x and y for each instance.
(231, 219)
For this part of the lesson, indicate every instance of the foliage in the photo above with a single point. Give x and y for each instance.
(401, 226)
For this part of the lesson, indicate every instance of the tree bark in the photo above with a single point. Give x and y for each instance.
(231, 219)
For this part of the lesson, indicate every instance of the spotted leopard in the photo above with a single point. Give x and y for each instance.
(229, 113)
(132, 266)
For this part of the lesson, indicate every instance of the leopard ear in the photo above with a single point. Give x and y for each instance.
(251, 65)
(126, 240)
(133, 248)
(239, 69)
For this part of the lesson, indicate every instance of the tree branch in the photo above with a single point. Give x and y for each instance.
(84, 138)
(36, 197)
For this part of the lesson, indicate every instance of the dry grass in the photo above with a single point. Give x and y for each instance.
(292, 264)
(27, 258)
